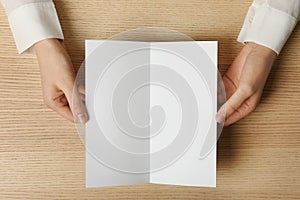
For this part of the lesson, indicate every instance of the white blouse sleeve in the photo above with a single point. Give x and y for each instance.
(32, 21)
(270, 22)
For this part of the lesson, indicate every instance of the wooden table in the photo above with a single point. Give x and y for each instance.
(42, 157)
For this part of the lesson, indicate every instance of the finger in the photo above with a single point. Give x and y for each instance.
(62, 100)
(61, 109)
(76, 105)
(245, 109)
(59, 104)
(221, 96)
(229, 85)
(82, 97)
(233, 74)
(221, 99)
(81, 89)
(64, 112)
(231, 105)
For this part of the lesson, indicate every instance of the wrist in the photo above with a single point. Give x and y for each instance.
(262, 50)
(46, 45)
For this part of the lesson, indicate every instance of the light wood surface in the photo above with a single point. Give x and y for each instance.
(42, 157)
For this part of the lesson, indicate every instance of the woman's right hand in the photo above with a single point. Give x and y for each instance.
(244, 82)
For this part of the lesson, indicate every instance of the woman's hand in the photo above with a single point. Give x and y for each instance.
(58, 81)
(244, 82)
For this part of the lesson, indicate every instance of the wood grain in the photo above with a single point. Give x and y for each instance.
(42, 157)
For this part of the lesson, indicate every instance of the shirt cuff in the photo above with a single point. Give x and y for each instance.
(267, 26)
(34, 22)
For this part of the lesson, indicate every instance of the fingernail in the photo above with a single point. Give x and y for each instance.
(82, 118)
(220, 118)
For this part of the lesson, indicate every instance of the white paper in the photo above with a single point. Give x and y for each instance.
(151, 107)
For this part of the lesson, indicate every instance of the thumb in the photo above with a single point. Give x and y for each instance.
(232, 104)
(76, 105)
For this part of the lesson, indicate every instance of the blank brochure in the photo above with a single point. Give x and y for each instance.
(151, 109)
